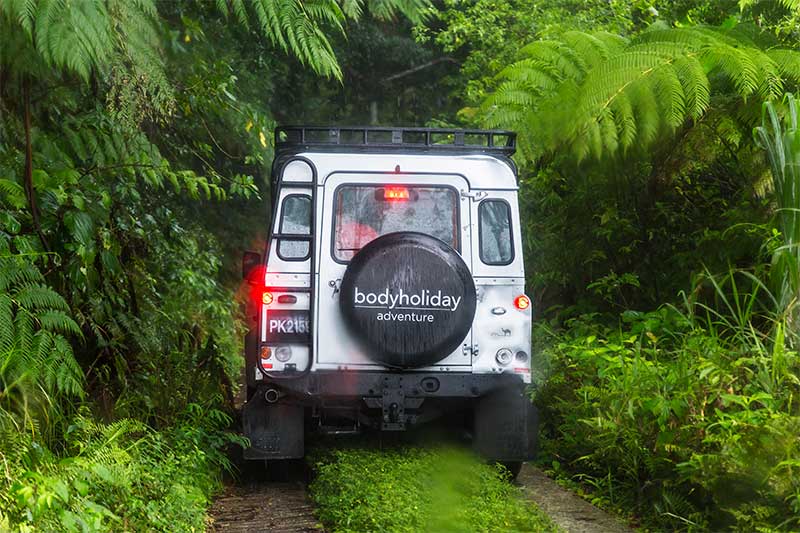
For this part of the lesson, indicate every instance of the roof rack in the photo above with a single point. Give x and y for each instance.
(382, 138)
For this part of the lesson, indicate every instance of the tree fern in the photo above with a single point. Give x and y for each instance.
(117, 41)
(792, 5)
(299, 26)
(36, 361)
(600, 94)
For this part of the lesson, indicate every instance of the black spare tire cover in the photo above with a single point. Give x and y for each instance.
(409, 297)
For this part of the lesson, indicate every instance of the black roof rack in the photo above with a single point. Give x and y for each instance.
(383, 138)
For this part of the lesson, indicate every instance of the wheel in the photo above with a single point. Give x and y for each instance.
(513, 468)
(285, 470)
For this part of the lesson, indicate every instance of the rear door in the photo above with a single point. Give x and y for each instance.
(357, 208)
(499, 279)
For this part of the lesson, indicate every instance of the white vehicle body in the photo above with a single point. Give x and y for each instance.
(466, 195)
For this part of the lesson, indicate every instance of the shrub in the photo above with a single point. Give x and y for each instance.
(688, 419)
(115, 477)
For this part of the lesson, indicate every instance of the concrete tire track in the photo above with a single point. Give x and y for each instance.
(264, 507)
(568, 510)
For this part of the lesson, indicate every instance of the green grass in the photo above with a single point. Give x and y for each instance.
(442, 489)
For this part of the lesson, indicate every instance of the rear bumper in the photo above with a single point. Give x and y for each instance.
(501, 417)
(357, 385)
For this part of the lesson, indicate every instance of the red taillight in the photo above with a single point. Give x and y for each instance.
(522, 302)
(395, 193)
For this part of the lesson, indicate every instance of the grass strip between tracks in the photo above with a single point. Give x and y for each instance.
(443, 489)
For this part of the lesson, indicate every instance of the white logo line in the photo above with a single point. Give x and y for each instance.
(404, 308)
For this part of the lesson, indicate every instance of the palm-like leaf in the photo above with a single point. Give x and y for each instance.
(599, 94)
(782, 145)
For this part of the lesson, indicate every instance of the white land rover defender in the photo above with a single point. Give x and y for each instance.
(391, 292)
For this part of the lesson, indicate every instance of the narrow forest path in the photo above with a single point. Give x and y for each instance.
(260, 507)
(254, 506)
(264, 507)
(568, 510)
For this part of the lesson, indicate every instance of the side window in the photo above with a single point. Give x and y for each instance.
(295, 220)
(494, 226)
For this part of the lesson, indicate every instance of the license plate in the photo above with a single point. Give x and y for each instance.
(291, 327)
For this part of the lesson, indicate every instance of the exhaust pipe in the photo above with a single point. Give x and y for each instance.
(271, 395)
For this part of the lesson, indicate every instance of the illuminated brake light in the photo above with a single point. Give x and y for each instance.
(395, 193)
(267, 298)
(522, 302)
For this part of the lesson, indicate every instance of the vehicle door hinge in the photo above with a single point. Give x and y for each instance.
(472, 350)
(335, 284)
(476, 195)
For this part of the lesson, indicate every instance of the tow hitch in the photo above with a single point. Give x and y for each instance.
(393, 403)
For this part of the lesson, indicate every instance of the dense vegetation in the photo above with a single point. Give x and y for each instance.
(127, 140)
(662, 234)
(661, 237)
(418, 489)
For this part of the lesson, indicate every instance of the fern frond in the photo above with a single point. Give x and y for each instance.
(6, 323)
(16, 271)
(414, 10)
(39, 297)
(57, 322)
(600, 94)
(791, 5)
(24, 331)
(12, 193)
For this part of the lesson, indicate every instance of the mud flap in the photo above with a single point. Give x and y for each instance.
(276, 430)
(506, 425)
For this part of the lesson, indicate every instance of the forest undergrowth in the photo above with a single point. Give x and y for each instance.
(440, 488)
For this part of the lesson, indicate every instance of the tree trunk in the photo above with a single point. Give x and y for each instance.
(30, 193)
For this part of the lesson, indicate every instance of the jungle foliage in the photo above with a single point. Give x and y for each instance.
(660, 200)
(129, 133)
(661, 241)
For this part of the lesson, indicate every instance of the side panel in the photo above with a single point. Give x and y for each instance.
(498, 323)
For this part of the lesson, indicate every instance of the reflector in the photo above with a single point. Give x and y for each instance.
(266, 352)
(267, 298)
(522, 302)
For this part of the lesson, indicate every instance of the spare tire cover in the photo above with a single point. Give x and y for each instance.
(409, 297)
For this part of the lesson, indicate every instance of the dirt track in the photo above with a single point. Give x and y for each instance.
(256, 507)
(565, 508)
(264, 507)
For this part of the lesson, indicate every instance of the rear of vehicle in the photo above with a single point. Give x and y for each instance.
(391, 293)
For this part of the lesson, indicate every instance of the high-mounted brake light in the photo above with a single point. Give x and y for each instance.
(395, 193)
(522, 302)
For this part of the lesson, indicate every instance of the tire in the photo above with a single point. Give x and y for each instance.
(513, 468)
(285, 470)
(409, 298)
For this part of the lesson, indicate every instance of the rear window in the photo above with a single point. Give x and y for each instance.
(365, 212)
(295, 220)
(494, 223)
